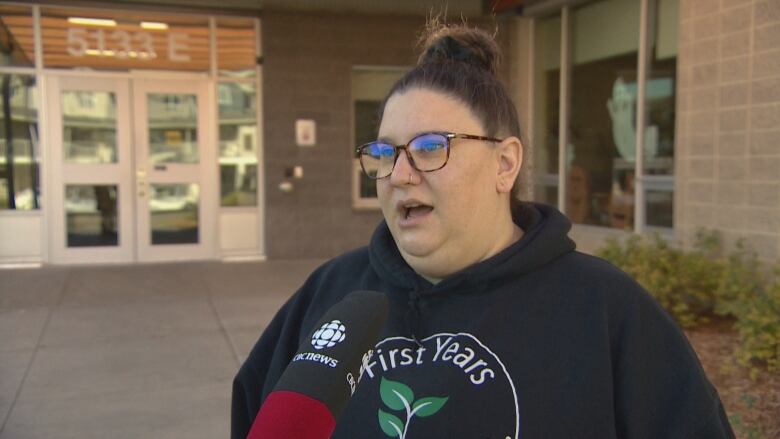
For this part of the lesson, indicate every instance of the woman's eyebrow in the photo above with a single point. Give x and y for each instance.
(417, 134)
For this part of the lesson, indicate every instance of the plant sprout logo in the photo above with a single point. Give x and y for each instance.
(328, 335)
(399, 396)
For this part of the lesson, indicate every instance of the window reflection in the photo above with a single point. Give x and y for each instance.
(236, 47)
(123, 40)
(89, 127)
(19, 149)
(366, 126)
(603, 115)
(237, 144)
(660, 105)
(546, 116)
(174, 213)
(16, 36)
(369, 87)
(91, 215)
(173, 128)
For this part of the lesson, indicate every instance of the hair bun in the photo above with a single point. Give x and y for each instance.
(459, 43)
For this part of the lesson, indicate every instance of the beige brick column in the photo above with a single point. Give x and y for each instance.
(728, 122)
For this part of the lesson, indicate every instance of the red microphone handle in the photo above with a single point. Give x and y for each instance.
(292, 415)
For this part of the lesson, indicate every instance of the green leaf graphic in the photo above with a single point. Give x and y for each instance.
(428, 406)
(391, 425)
(394, 394)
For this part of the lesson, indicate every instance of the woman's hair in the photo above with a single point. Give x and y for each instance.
(462, 62)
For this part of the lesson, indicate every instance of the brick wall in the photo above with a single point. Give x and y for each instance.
(728, 122)
(308, 60)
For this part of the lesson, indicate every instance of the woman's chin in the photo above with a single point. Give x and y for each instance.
(417, 247)
(425, 260)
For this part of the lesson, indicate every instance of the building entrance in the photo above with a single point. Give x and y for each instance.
(133, 175)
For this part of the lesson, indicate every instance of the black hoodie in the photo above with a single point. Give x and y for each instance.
(538, 341)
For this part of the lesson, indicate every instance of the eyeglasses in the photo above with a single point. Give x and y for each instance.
(426, 152)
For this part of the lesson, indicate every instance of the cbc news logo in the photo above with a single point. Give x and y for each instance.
(329, 335)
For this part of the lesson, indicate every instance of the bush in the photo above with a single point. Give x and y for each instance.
(694, 286)
(681, 282)
(758, 325)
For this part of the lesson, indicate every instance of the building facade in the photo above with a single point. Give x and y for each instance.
(138, 133)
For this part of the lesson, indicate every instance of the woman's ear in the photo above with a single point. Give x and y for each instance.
(510, 159)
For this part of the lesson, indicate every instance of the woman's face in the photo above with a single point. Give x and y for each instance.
(445, 220)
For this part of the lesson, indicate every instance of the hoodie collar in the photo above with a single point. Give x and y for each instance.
(545, 239)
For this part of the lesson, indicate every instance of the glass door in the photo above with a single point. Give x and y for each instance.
(91, 196)
(175, 171)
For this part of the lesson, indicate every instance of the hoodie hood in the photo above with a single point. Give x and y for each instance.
(545, 238)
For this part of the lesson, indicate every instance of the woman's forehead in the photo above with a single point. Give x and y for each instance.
(421, 110)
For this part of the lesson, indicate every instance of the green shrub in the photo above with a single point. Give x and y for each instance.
(758, 325)
(740, 280)
(681, 282)
(695, 285)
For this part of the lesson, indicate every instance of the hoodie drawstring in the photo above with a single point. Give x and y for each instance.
(414, 317)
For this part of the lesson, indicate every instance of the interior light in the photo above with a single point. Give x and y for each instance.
(154, 25)
(91, 21)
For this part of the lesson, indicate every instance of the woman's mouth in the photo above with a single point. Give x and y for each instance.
(413, 213)
(416, 211)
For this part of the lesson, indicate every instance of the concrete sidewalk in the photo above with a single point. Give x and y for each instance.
(141, 351)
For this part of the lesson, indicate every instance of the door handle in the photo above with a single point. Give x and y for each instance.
(141, 178)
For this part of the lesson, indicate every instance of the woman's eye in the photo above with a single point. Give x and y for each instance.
(432, 146)
(379, 151)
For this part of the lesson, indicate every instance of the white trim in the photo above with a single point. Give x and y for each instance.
(33, 263)
(261, 186)
(202, 173)
(44, 145)
(37, 38)
(363, 203)
(130, 74)
(15, 70)
(9, 213)
(252, 257)
(358, 202)
(663, 183)
(532, 78)
(213, 67)
(249, 80)
(63, 174)
(563, 104)
(640, 123)
(386, 68)
(135, 10)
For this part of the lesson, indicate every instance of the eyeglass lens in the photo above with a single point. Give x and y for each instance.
(428, 153)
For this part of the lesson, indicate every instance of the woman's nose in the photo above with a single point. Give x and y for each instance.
(402, 169)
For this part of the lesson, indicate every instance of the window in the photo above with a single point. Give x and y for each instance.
(546, 115)
(369, 87)
(660, 105)
(600, 118)
(238, 144)
(16, 42)
(19, 148)
(111, 39)
(236, 55)
(237, 68)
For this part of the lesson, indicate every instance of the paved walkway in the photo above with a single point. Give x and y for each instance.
(142, 351)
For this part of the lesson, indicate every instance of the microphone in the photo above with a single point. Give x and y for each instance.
(314, 389)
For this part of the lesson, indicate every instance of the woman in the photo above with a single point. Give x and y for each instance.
(498, 328)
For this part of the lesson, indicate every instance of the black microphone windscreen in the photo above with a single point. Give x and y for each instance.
(327, 364)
